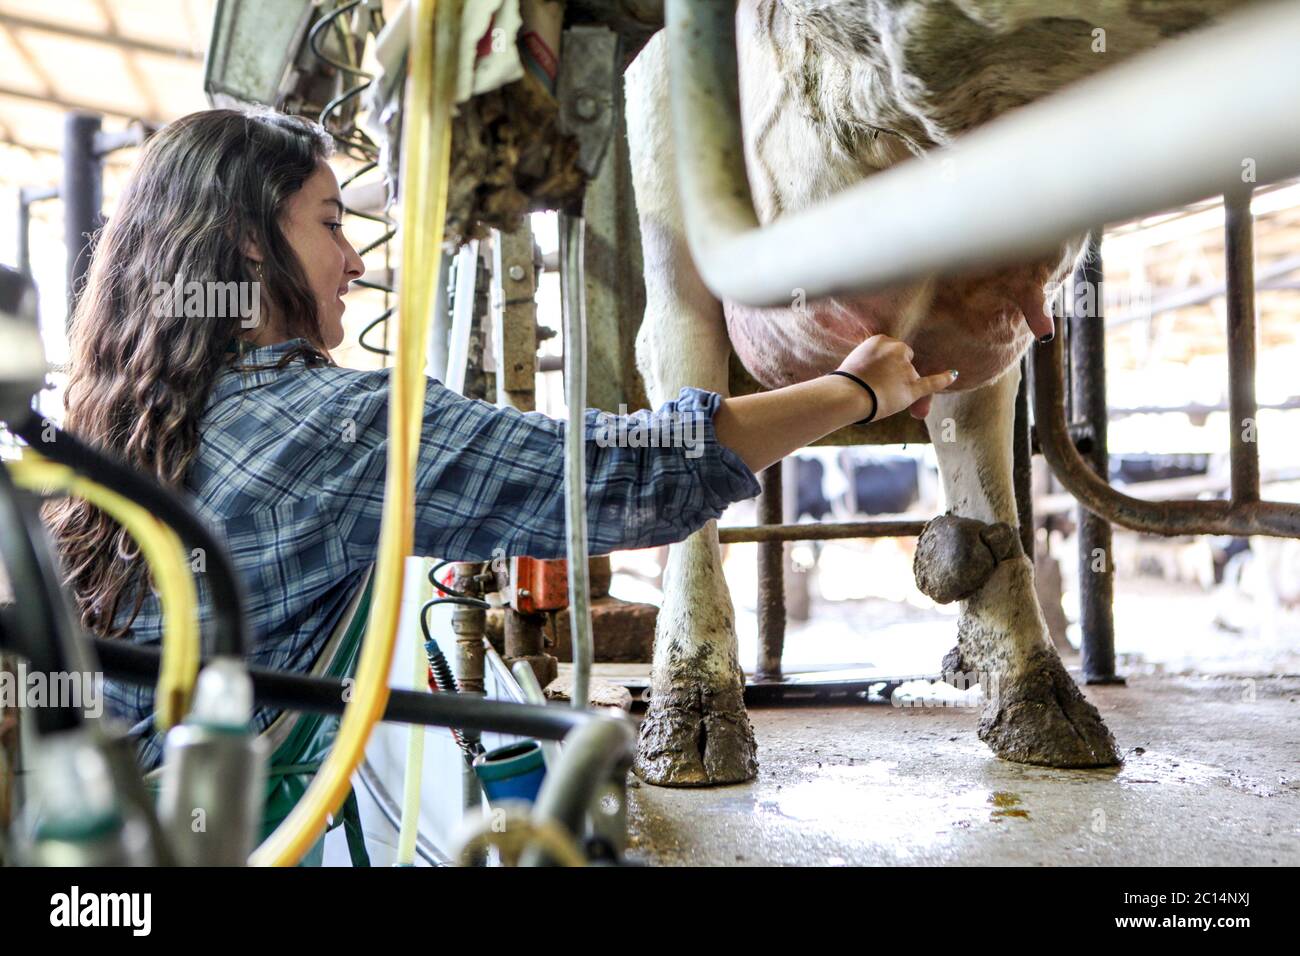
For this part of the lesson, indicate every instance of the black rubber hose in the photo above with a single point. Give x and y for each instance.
(39, 626)
(443, 678)
(229, 625)
(137, 664)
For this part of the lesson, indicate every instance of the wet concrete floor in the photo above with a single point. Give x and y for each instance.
(1211, 777)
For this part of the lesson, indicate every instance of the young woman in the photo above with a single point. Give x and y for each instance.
(284, 452)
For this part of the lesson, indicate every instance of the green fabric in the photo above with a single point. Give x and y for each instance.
(296, 761)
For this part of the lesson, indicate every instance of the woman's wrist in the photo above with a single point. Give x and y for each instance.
(849, 401)
(871, 393)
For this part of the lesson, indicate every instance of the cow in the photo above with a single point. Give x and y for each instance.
(833, 91)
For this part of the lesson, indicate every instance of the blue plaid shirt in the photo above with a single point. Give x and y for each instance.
(290, 474)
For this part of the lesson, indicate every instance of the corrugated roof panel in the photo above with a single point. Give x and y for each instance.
(86, 72)
(85, 14)
(176, 85)
(184, 24)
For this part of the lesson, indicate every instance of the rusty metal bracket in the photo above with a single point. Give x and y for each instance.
(589, 59)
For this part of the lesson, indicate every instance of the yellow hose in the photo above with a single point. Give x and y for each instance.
(426, 158)
(167, 561)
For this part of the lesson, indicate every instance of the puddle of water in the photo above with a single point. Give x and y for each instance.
(868, 803)
(1156, 768)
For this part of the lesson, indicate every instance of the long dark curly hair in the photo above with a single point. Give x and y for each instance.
(206, 185)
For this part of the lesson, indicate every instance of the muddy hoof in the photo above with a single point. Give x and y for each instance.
(696, 737)
(1044, 719)
(955, 556)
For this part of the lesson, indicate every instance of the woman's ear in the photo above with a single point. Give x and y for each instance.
(251, 250)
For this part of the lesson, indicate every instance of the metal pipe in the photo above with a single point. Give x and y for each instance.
(27, 196)
(507, 678)
(527, 681)
(129, 138)
(1239, 255)
(1195, 409)
(468, 624)
(1272, 276)
(82, 189)
(817, 531)
(1155, 517)
(24, 255)
(1006, 192)
(771, 577)
(574, 308)
(1087, 338)
(525, 640)
(320, 695)
(533, 694)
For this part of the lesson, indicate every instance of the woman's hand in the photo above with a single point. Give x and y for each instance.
(885, 364)
(765, 427)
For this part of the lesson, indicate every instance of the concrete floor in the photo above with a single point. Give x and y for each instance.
(1212, 777)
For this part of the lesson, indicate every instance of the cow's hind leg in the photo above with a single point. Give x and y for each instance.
(696, 732)
(1033, 711)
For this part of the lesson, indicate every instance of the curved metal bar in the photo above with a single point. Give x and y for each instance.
(1239, 518)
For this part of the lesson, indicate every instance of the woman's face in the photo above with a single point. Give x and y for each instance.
(312, 225)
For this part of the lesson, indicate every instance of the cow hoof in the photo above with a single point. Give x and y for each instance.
(1044, 719)
(694, 736)
(955, 556)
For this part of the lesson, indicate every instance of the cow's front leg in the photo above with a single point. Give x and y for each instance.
(696, 732)
(1033, 711)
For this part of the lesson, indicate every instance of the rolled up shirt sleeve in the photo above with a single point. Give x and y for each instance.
(490, 480)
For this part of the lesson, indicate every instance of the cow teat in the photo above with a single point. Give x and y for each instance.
(1037, 316)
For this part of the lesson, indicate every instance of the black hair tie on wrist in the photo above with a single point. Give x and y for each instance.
(875, 402)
